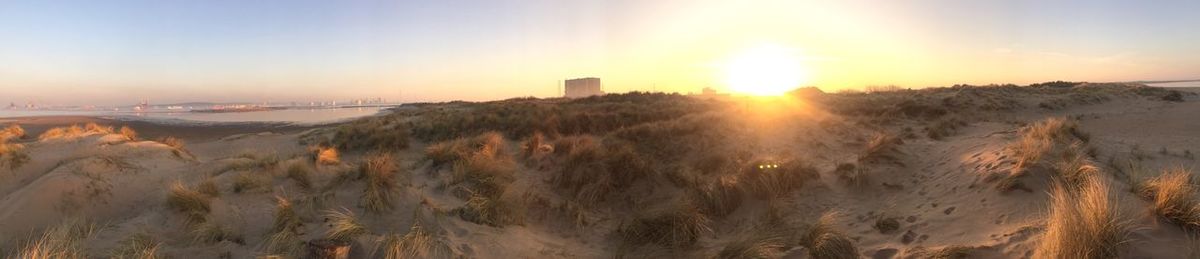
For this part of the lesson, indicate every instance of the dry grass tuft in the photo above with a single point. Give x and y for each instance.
(757, 247)
(129, 133)
(720, 198)
(12, 156)
(343, 225)
(74, 131)
(880, 147)
(1174, 196)
(380, 172)
(284, 237)
(779, 181)
(325, 155)
(301, 174)
(417, 243)
(248, 181)
(1084, 222)
(680, 226)
(192, 204)
(137, 246)
(377, 133)
(209, 232)
(177, 147)
(825, 241)
(592, 171)
(208, 187)
(1042, 138)
(493, 211)
(65, 241)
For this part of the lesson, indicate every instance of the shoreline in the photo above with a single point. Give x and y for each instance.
(154, 129)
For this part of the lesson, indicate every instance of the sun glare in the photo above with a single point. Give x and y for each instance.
(764, 70)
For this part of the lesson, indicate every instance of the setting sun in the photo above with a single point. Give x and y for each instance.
(764, 70)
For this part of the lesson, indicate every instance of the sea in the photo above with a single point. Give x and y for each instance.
(294, 116)
(1177, 84)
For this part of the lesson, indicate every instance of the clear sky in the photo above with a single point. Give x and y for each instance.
(115, 52)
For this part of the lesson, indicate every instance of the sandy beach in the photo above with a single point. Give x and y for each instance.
(903, 174)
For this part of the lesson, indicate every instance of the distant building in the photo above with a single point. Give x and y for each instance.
(708, 91)
(582, 87)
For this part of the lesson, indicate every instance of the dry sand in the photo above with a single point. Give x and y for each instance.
(935, 189)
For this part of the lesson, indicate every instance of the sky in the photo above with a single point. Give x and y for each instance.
(86, 52)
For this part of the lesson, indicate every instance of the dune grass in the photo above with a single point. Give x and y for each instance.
(343, 225)
(129, 133)
(284, 237)
(137, 246)
(301, 174)
(591, 171)
(417, 243)
(193, 204)
(64, 241)
(1084, 222)
(248, 181)
(376, 133)
(823, 240)
(496, 211)
(754, 247)
(679, 226)
(778, 181)
(208, 186)
(1173, 194)
(1042, 139)
(721, 197)
(880, 147)
(177, 147)
(74, 131)
(380, 172)
(12, 155)
(209, 232)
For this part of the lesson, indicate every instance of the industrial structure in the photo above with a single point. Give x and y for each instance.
(582, 87)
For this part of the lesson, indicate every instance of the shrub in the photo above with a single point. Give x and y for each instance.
(680, 226)
(343, 225)
(63, 241)
(1174, 197)
(192, 204)
(129, 133)
(137, 246)
(1084, 222)
(825, 241)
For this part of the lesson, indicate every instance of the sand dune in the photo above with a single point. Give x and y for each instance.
(963, 172)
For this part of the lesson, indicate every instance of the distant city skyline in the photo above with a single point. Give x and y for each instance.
(79, 52)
